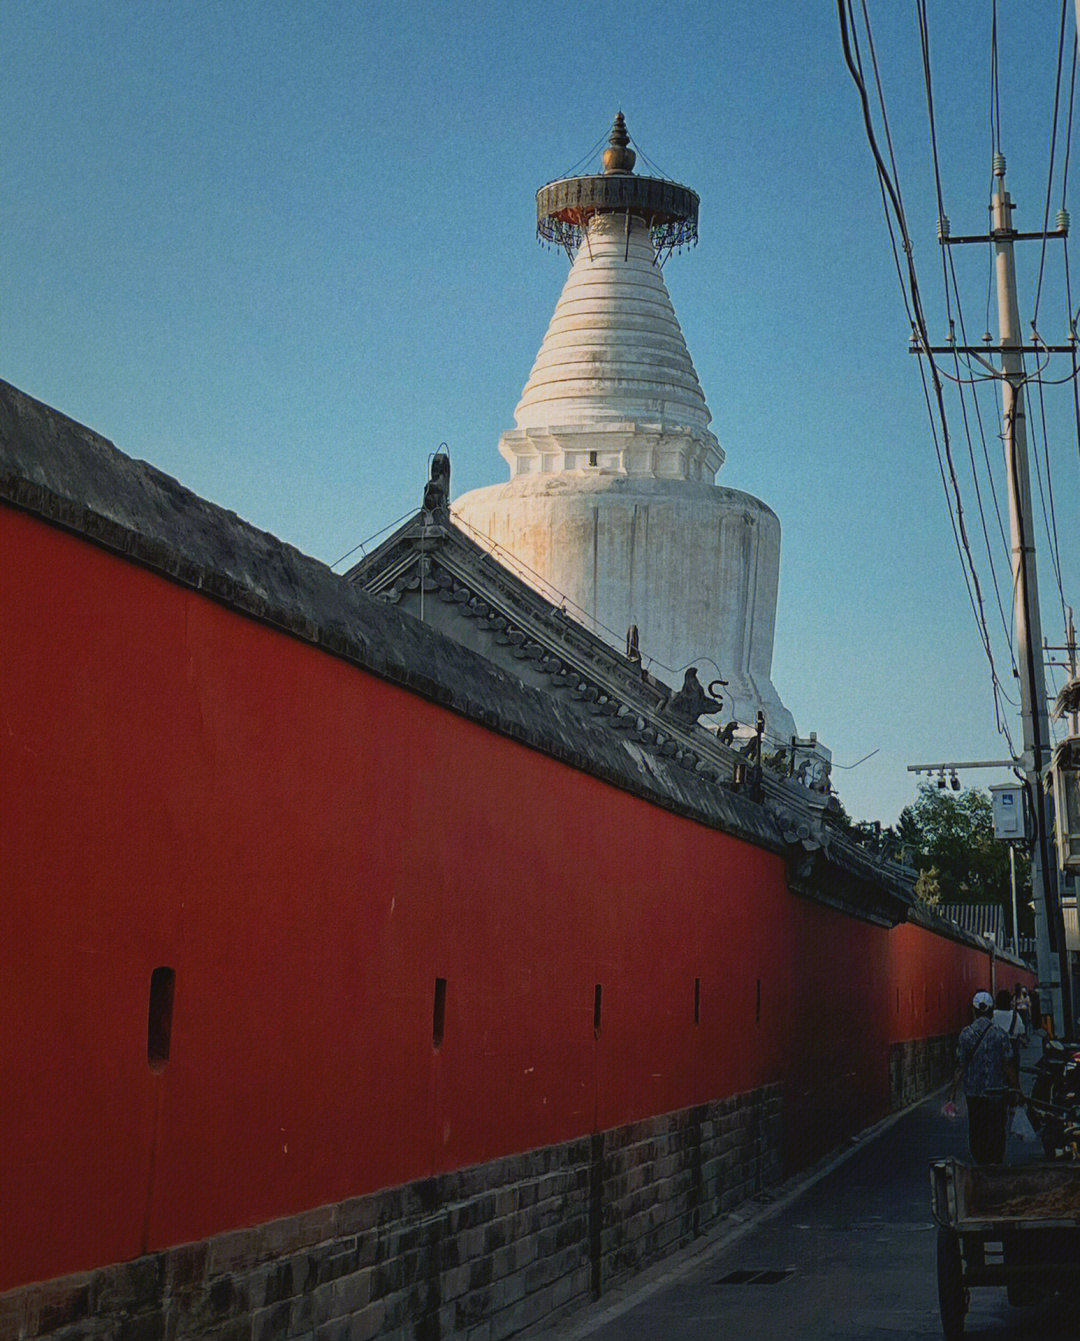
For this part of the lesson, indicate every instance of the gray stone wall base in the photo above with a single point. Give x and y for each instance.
(919, 1067)
(485, 1252)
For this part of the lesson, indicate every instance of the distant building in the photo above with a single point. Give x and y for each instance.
(983, 919)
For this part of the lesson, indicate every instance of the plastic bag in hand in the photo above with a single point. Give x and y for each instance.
(1021, 1125)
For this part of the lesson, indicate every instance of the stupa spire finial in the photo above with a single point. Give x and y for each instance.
(565, 208)
(618, 156)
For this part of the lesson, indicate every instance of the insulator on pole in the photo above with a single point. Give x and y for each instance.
(943, 226)
(1063, 220)
(999, 165)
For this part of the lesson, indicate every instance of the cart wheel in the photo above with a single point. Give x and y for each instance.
(952, 1296)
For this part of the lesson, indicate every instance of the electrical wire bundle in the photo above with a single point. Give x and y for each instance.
(971, 376)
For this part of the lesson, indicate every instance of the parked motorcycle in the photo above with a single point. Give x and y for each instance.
(1054, 1104)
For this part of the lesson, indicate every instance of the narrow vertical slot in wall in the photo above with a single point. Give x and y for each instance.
(598, 1009)
(159, 1017)
(697, 1000)
(438, 1015)
(757, 1008)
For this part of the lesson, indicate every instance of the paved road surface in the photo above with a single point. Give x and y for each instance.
(860, 1249)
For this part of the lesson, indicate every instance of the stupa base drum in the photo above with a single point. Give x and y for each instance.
(693, 565)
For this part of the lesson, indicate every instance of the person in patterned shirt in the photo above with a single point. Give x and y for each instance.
(987, 1066)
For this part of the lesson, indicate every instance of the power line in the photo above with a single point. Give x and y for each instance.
(952, 285)
(1068, 277)
(1068, 129)
(947, 269)
(942, 444)
(978, 413)
(1005, 622)
(995, 90)
(892, 159)
(1046, 493)
(1050, 171)
(924, 43)
(1046, 500)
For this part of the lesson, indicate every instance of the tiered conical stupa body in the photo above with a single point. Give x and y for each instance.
(611, 499)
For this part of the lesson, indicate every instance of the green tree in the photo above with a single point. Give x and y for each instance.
(877, 839)
(949, 837)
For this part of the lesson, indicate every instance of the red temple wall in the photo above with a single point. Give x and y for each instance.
(310, 847)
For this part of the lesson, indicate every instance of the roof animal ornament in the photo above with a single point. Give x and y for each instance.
(814, 773)
(437, 489)
(753, 747)
(692, 702)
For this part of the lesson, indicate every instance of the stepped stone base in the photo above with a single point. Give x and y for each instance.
(489, 1251)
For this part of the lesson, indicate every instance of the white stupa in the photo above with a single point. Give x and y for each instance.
(611, 499)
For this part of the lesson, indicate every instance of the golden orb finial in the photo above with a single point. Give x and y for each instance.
(618, 156)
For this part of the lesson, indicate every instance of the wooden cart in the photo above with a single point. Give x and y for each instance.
(1015, 1226)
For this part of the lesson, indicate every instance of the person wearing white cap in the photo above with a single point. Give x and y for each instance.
(986, 1065)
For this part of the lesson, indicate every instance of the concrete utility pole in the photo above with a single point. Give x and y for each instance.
(1053, 956)
(1049, 924)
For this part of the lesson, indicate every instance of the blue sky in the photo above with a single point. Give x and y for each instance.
(283, 250)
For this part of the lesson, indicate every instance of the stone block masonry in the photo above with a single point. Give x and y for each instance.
(919, 1066)
(486, 1252)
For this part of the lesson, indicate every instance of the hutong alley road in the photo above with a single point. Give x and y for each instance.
(852, 1257)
